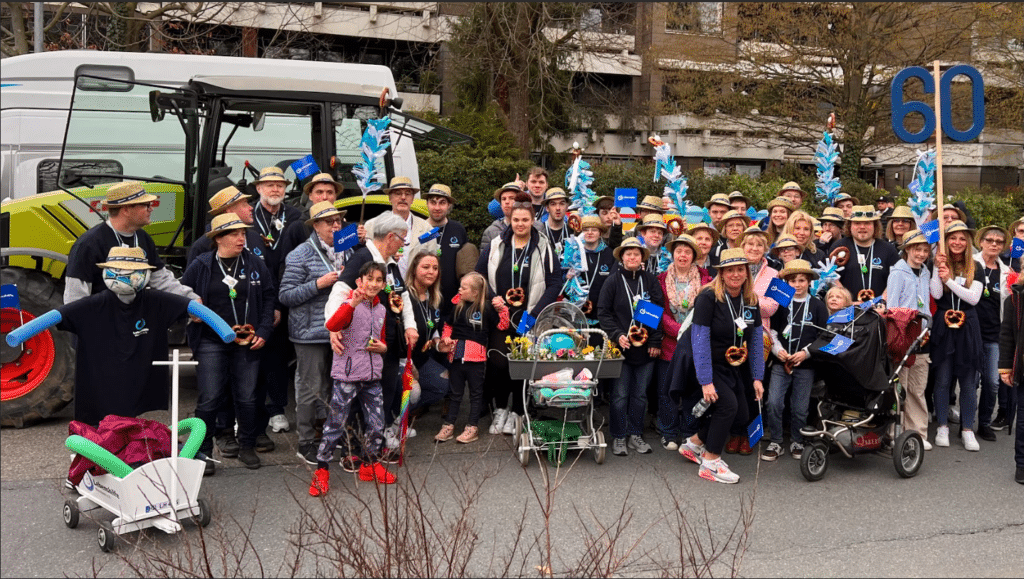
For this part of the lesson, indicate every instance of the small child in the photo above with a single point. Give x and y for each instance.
(465, 340)
(838, 298)
(357, 374)
(793, 329)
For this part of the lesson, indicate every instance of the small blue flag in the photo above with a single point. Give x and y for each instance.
(526, 323)
(870, 303)
(755, 431)
(10, 297)
(756, 215)
(432, 234)
(838, 345)
(930, 229)
(625, 197)
(494, 208)
(346, 238)
(648, 314)
(305, 167)
(843, 316)
(1017, 248)
(695, 214)
(780, 291)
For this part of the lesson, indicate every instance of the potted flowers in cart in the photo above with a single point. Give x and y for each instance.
(528, 360)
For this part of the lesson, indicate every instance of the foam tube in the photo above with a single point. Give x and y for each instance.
(18, 336)
(196, 433)
(210, 318)
(99, 455)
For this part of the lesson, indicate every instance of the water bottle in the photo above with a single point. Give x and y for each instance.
(700, 408)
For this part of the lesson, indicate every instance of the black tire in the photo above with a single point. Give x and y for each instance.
(105, 537)
(71, 513)
(814, 461)
(205, 515)
(39, 293)
(908, 453)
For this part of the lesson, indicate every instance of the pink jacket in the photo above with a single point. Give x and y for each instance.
(768, 305)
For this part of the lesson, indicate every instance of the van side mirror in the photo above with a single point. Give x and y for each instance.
(155, 112)
(258, 118)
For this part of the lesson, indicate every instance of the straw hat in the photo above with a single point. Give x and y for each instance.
(552, 194)
(914, 237)
(902, 212)
(733, 214)
(781, 202)
(593, 221)
(323, 178)
(126, 258)
(400, 183)
(784, 241)
(798, 266)
(718, 199)
(128, 193)
(752, 230)
(631, 243)
(843, 197)
(604, 202)
(271, 174)
(793, 186)
(732, 257)
(955, 226)
(510, 186)
(959, 212)
(986, 229)
(323, 210)
(701, 226)
(686, 239)
(439, 190)
(864, 213)
(225, 223)
(650, 203)
(225, 198)
(833, 214)
(652, 221)
(740, 196)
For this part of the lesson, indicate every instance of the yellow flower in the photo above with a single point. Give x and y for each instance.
(508, 339)
(587, 350)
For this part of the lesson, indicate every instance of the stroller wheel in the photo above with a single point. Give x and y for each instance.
(599, 448)
(814, 461)
(106, 537)
(524, 448)
(908, 454)
(71, 513)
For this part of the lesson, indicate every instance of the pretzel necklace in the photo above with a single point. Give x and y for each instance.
(637, 335)
(245, 334)
(954, 318)
(736, 355)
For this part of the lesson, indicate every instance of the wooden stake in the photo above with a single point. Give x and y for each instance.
(938, 154)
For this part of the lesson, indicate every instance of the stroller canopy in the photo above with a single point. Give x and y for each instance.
(866, 362)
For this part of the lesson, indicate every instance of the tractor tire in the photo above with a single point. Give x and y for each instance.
(39, 381)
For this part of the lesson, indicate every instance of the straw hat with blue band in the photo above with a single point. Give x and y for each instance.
(268, 174)
(401, 183)
(864, 213)
(439, 190)
(688, 240)
(323, 178)
(833, 214)
(718, 199)
(323, 210)
(225, 223)
(914, 237)
(552, 194)
(593, 221)
(957, 226)
(510, 186)
(796, 266)
(651, 203)
(225, 198)
(128, 193)
(631, 243)
(731, 257)
(126, 258)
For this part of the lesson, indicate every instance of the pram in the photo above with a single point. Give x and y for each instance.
(861, 404)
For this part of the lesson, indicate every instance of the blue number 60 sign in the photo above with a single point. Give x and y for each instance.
(901, 109)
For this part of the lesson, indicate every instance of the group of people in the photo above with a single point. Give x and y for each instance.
(416, 288)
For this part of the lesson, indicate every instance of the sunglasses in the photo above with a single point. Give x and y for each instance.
(522, 205)
(332, 221)
(993, 240)
(860, 214)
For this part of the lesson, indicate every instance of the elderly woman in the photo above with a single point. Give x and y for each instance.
(957, 284)
(523, 272)
(992, 240)
(726, 341)
(680, 284)
(310, 271)
(900, 223)
(801, 226)
(238, 287)
(641, 345)
(730, 228)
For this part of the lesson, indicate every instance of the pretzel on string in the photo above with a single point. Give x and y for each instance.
(676, 226)
(244, 334)
(736, 355)
(587, 307)
(637, 336)
(841, 255)
(575, 222)
(865, 295)
(515, 297)
(655, 142)
(955, 318)
(395, 301)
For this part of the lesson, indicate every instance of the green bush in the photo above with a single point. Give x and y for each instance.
(986, 205)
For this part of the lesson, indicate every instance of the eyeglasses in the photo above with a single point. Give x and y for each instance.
(992, 240)
(332, 221)
(399, 237)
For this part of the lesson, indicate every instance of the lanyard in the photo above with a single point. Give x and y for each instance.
(788, 332)
(988, 278)
(266, 228)
(520, 263)
(120, 242)
(588, 270)
(734, 316)
(865, 266)
(551, 235)
(320, 254)
(424, 308)
(232, 293)
(634, 297)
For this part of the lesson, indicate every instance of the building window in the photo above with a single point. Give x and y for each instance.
(694, 17)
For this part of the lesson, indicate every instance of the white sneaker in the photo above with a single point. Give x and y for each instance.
(498, 420)
(970, 443)
(942, 436)
(410, 432)
(927, 445)
(510, 424)
(391, 437)
(717, 470)
(279, 423)
(691, 451)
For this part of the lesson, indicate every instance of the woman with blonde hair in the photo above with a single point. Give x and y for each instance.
(424, 282)
(801, 226)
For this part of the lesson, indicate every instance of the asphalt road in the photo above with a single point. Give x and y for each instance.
(962, 516)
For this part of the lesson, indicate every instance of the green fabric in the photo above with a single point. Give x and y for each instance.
(557, 436)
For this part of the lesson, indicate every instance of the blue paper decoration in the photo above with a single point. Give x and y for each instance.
(825, 157)
(373, 146)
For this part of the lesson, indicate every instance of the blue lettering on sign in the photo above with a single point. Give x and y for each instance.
(900, 110)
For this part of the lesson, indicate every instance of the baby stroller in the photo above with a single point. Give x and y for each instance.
(861, 405)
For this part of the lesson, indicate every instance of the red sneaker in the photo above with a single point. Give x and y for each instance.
(376, 471)
(321, 482)
(745, 449)
(733, 446)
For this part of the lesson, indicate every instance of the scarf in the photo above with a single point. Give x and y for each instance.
(675, 301)
(336, 258)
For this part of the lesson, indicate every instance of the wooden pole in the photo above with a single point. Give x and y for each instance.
(938, 153)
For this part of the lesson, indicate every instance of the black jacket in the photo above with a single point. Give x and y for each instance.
(1011, 335)
(615, 312)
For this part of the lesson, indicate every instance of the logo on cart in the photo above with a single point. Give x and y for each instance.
(87, 480)
(155, 508)
(869, 440)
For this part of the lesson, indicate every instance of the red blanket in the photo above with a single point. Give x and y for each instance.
(902, 325)
(136, 441)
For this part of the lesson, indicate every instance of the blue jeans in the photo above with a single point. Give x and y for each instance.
(629, 400)
(968, 379)
(989, 383)
(668, 410)
(227, 369)
(433, 386)
(800, 381)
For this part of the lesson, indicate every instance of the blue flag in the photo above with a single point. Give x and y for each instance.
(432, 234)
(494, 208)
(526, 323)
(843, 316)
(625, 197)
(870, 303)
(780, 291)
(10, 297)
(838, 345)
(647, 313)
(1017, 248)
(695, 214)
(930, 229)
(755, 431)
(346, 238)
(305, 167)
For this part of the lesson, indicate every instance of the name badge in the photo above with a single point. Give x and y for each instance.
(787, 331)
(230, 281)
(740, 322)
